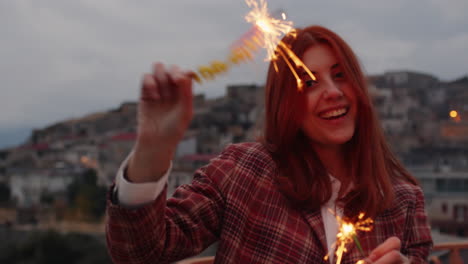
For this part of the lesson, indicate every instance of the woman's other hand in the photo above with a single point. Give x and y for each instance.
(164, 114)
(387, 252)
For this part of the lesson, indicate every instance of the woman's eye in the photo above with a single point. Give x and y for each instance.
(339, 75)
(310, 83)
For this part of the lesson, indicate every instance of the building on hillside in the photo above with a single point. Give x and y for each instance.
(446, 198)
(27, 187)
(187, 146)
(113, 151)
(3, 163)
(122, 119)
(455, 132)
(249, 95)
(405, 79)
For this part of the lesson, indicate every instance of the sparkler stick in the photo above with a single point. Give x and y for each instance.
(241, 51)
(347, 233)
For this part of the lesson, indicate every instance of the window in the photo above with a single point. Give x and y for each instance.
(444, 208)
(455, 185)
(441, 185)
(460, 212)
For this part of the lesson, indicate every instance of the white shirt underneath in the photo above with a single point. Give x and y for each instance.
(329, 220)
(133, 195)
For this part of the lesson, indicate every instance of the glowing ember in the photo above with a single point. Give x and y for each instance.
(347, 234)
(347, 229)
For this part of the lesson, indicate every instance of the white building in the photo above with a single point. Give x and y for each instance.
(27, 188)
(446, 194)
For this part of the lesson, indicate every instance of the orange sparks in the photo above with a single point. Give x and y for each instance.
(267, 33)
(347, 233)
(272, 30)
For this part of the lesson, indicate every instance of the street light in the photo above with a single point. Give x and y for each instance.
(455, 116)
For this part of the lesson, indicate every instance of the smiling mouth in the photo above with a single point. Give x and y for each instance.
(335, 114)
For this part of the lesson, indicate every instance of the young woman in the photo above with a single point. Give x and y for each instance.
(269, 201)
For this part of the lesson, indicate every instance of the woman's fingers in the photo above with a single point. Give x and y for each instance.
(392, 243)
(162, 81)
(183, 85)
(393, 256)
(175, 77)
(149, 89)
(171, 83)
(387, 252)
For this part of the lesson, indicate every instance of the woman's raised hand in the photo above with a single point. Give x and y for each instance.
(164, 114)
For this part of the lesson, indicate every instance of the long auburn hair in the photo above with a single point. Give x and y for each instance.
(373, 168)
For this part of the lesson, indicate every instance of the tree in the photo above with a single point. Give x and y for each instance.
(54, 248)
(85, 196)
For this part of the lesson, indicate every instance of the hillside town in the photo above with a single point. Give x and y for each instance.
(424, 118)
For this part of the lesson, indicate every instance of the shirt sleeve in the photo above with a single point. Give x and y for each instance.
(132, 195)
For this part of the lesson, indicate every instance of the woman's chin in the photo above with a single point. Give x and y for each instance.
(339, 139)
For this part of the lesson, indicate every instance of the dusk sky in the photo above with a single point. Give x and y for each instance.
(64, 59)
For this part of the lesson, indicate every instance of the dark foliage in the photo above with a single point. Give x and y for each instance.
(52, 247)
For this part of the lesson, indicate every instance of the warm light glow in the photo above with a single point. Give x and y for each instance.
(272, 30)
(88, 162)
(84, 159)
(264, 26)
(347, 233)
(348, 229)
(453, 114)
(266, 33)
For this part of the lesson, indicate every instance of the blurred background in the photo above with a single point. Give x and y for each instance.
(70, 75)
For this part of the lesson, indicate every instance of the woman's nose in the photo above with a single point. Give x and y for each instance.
(332, 90)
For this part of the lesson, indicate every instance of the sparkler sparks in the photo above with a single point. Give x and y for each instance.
(272, 30)
(347, 233)
(267, 33)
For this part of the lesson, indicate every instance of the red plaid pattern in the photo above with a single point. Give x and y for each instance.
(234, 200)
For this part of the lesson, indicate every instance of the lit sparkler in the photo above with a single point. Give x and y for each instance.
(266, 32)
(272, 30)
(347, 233)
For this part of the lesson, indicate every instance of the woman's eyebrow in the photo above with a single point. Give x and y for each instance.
(305, 73)
(335, 65)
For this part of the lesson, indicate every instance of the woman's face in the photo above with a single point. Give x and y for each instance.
(330, 118)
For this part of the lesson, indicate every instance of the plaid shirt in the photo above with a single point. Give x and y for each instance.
(234, 200)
